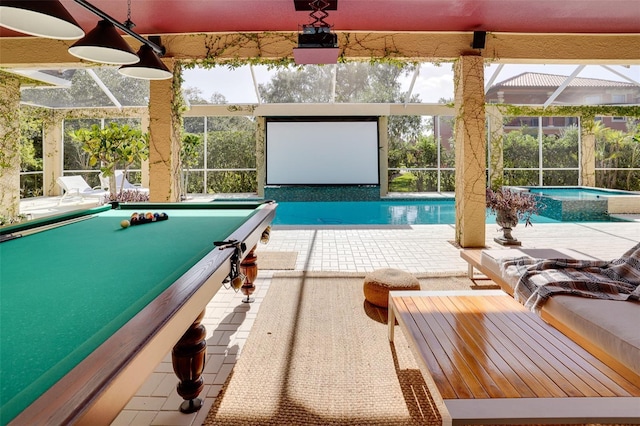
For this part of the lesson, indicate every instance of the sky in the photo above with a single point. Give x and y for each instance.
(432, 84)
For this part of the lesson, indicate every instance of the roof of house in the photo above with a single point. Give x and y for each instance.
(531, 79)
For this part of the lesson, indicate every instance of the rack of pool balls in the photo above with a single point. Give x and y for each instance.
(142, 218)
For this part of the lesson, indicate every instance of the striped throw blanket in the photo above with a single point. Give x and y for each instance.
(541, 278)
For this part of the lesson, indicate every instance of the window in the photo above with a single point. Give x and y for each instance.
(618, 99)
(592, 99)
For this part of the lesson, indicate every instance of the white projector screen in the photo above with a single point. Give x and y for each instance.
(322, 152)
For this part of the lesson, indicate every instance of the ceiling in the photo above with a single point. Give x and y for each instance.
(440, 27)
(509, 16)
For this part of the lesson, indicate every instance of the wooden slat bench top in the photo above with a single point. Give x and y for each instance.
(486, 358)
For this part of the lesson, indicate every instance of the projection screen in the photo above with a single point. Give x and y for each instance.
(315, 152)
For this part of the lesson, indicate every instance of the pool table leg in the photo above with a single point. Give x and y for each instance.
(249, 267)
(188, 357)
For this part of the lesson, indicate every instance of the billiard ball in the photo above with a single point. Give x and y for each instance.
(125, 223)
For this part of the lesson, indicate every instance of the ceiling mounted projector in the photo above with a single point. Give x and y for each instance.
(316, 43)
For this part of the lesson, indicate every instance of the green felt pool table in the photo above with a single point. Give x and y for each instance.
(89, 308)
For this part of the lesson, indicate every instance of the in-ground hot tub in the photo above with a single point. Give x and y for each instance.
(583, 203)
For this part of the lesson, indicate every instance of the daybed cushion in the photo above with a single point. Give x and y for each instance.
(611, 325)
(489, 258)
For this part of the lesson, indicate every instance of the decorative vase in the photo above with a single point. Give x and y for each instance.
(507, 220)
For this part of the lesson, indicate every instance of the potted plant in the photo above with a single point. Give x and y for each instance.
(511, 207)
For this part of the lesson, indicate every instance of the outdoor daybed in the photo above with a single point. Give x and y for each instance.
(593, 302)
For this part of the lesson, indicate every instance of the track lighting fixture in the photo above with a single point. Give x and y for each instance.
(150, 66)
(46, 18)
(103, 44)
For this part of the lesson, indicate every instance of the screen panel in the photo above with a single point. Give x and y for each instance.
(315, 152)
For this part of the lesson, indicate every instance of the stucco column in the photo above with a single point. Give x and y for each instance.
(261, 159)
(496, 146)
(164, 143)
(383, 154)
(52, 155)
(470, 151)
(9, 147)
(588, 159)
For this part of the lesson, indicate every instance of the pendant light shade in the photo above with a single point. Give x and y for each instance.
(47, 18)
(150, 66)
(104, 44)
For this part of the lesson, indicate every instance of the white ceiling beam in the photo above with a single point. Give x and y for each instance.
(618, 73)
(416, 73)
(255, 84)
(334, 79)
(104, 88)
(564, 84)
(42, 76)
(308, 109)
(493, 78)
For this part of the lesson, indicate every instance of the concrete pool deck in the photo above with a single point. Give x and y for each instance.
(416, 249)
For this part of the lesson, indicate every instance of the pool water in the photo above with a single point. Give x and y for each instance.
(577, 193)
(383, 212)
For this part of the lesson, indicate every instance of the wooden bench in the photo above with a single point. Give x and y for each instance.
(488, 360)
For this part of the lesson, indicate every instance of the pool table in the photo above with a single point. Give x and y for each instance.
(88, 308)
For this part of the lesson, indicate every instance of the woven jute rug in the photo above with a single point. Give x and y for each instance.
(277, 260)
(318, 354)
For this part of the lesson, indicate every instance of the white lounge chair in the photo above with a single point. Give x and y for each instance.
(76, 185)
(128, 186)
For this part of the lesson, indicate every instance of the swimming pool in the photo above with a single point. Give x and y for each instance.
(383, 212)
(579, 192)
(583, 203)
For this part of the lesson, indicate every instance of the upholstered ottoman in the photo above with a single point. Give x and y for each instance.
(380, 282)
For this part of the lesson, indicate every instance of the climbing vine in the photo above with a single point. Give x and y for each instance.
(230, 51)
(584, 111)
(9, 122)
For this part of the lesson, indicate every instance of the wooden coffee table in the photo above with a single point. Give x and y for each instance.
(486, 359)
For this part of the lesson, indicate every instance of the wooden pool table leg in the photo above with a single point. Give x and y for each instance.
(249, 267)
(188, 357)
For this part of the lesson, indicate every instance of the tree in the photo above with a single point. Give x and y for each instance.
(355, 82)
(112, 146)
(31, 138)
(308, 84)
(521, 151)
(232, 149)
(618, 150)
(189, 153)
(193, 95)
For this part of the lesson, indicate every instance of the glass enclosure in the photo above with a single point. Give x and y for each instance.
(537, 150)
